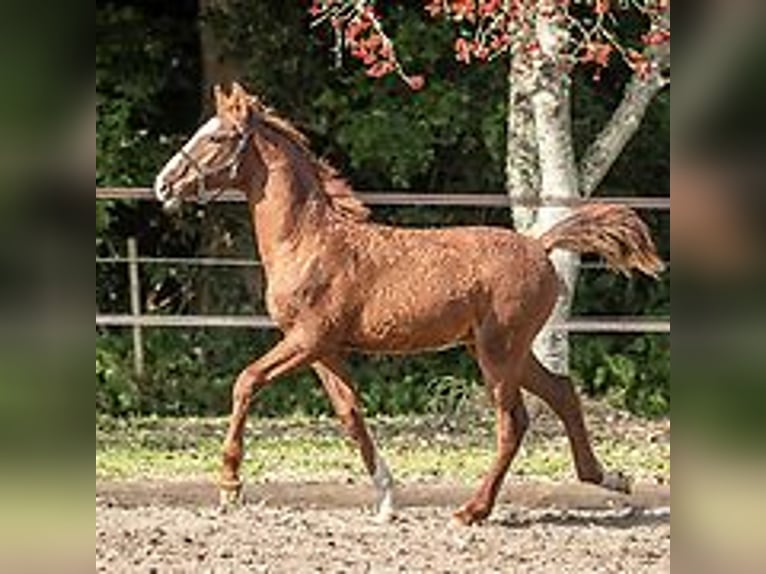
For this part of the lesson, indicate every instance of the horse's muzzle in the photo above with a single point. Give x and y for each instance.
(171, 204)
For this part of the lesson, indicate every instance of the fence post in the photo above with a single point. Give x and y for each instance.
(135, 307)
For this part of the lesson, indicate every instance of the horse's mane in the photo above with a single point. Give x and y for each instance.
(334, 187)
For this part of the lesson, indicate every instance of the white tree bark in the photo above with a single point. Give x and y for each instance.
(522, 159)
(559, 180)
(558, 171)
(541, 158)
(540, 161)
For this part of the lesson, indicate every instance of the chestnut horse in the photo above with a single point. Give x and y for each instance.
(338, 283)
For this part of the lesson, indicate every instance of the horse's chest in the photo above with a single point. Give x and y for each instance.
(295, 290)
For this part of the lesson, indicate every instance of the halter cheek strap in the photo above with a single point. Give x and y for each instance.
(233, 164)
(239, 153)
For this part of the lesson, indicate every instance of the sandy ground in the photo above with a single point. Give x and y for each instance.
(298, 527)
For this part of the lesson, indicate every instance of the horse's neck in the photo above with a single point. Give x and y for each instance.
(284, 215)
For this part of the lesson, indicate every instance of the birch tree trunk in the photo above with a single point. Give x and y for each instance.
(526, 178)
(541, 161)
(522, 157)
(540, 157)
(558, 171)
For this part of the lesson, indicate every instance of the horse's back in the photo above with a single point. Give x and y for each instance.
(428, 288)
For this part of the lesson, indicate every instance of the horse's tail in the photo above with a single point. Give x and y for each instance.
(615, 232)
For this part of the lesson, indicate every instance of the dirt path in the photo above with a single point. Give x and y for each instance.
(174, 527)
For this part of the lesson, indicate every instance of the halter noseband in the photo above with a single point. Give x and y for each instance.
(205, 196)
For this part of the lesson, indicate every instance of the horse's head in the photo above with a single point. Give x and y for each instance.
(215, 157)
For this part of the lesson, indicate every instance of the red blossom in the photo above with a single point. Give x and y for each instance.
(463, 10)
(386, 51)
(655, 37)
(598, 53)
(434, 8)
(532, 48)
(488, 7)
(415, 82)
(487, 28)
(380, 69)
(601, 7)
(463, 50)
(640, 64)
(355, 28)
(499, 42)
(480, 50)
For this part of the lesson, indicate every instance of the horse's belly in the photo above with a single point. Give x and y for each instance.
(402, 329)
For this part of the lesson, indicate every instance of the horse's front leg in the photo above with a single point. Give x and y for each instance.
(345, 401)
(292, 352)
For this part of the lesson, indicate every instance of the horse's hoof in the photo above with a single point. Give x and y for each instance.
(384, 516)
(385, 513)
(617, 481)
(230, 497)
(467, 516)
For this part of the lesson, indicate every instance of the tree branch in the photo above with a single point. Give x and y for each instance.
(624, 123)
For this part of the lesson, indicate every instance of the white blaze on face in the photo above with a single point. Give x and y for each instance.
(207, 129)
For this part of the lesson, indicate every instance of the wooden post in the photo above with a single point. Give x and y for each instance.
(135, 307)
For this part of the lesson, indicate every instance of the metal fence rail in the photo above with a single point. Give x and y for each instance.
(136, 320)
(399, 198)
(238, 262)
(579, 325)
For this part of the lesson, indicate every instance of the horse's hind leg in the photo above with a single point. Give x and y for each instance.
(345, 401)
(502, 369)
(559, 393)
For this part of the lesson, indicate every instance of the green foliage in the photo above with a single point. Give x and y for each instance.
(633, 375)
(133, 123)
(116, 392)
(137, 71)
(379, 133)
(435, 383)
(190, 372)
(632, 371)
(102, 219)
(127, 156)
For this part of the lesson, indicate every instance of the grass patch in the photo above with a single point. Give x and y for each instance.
(423, 448)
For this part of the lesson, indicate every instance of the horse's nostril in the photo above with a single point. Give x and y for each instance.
(161, 190)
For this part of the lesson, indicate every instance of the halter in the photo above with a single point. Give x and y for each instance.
(204, 195)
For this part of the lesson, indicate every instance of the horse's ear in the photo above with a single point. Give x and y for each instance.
(220, 99)
(237, 91)
(239, 104)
